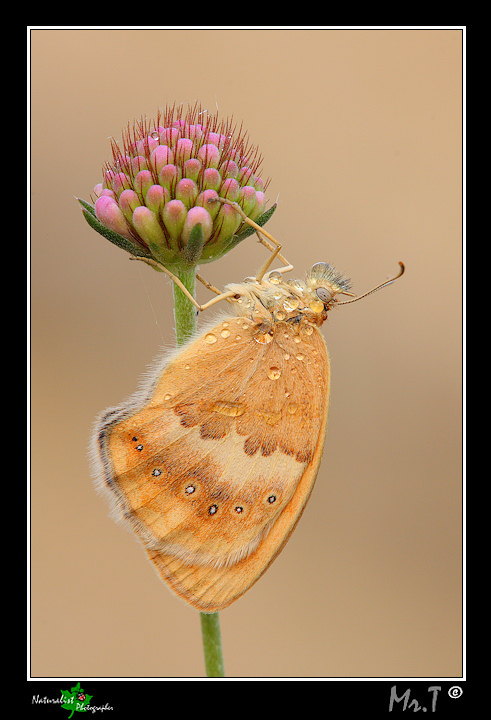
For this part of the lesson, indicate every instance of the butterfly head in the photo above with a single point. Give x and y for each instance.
(323, 282)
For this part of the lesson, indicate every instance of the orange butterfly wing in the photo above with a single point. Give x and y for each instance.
(213, 463)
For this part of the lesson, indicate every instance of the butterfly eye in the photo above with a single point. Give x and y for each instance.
(323, 294)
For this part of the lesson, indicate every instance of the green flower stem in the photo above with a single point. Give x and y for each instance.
(212, 645)
(185, 318)
(184, 310)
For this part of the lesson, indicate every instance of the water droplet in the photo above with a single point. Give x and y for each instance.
(210, 338)
(316, 306)
(292, 408)
(155, 135)
(280, 315)
(309, 329)
(231, 409)
(286, 356)
(212, 510)
(274, 373)
(296, 339)
(291, 303)
(300, 356)
(275, 277)
(264, 334)
(167, 396)
(297, 284)
(190, 490)
(225, 333)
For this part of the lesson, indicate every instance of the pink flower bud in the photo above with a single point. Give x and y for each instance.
(187, 191)
(156, 198)
(195, 132)
(148, 228)
(217, 139)
(169, 136)
(138, 163)
(230, 189)
(230, 169)
(192, 168)
(169, 176)
(211, 179)
(206, 200)
(197, 215)
(174, 215)
(110, 215)
(120, 182)
(183, 151)
(247, 199)
(228, 221)
(162, 155)
(128, 202)
(246, 176)
(260, 205)
(209, 155)
(146, 145)
(142, 182)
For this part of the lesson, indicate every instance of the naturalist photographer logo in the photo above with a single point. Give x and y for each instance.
(73, 700)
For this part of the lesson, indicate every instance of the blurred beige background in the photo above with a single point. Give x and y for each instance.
(361, 134)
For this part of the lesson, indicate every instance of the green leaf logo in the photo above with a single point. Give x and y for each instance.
(75, 700)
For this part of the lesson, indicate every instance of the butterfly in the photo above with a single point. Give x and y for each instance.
(211, 463)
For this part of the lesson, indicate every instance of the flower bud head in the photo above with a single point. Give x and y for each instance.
(159, 187)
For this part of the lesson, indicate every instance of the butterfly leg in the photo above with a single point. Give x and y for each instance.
(174, 278)
(208, 285)
(260, 231)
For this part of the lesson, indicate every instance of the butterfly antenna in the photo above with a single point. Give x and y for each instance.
(379, 287)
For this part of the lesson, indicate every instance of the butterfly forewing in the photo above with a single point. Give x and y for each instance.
(213, 463)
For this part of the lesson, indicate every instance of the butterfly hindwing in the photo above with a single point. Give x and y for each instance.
(213, 462)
